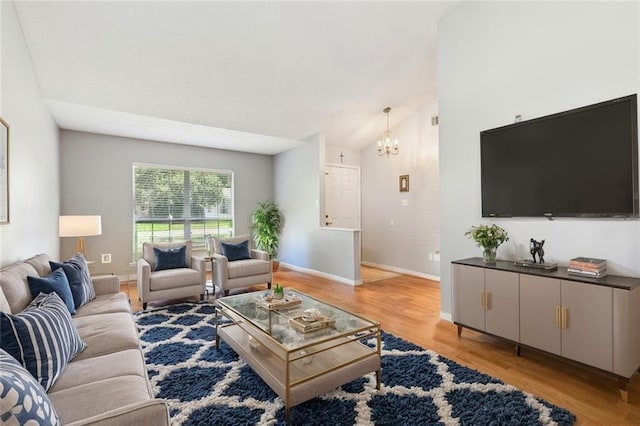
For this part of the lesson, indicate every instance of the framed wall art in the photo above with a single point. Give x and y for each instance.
(404, 183)
(4, 172)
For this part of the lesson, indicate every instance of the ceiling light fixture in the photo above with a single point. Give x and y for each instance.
(389, 143)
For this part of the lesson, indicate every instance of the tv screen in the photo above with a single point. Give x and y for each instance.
(582, 162)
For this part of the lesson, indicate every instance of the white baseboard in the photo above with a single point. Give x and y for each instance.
(446, 316)
(402, 271)
(321, 274)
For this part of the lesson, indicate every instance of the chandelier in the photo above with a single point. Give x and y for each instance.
(388, 144)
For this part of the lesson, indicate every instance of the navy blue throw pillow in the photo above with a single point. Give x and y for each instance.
(56, 282)
(77, 273)
(170, 258)
(237, 251)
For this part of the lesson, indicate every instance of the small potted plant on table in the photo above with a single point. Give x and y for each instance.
(489, 238)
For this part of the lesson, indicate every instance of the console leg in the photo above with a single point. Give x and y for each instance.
(517, 349)
(459, 330)
(624, 391)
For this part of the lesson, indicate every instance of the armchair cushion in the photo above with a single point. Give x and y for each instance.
(170, 258)
(173, 278)
(149, 255)
(235, 251)
(248, 267)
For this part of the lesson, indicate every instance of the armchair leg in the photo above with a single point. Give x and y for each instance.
(269, 286)
(144, 306)
(201, 297)
(226, 292)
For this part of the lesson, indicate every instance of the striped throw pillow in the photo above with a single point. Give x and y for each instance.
(22, 399)
(77, 272)
(41, 337)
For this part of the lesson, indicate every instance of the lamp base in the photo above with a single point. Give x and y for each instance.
(80, 247)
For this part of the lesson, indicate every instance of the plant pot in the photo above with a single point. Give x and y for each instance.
(275, 264)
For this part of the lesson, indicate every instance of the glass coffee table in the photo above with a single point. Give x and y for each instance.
(298, 356)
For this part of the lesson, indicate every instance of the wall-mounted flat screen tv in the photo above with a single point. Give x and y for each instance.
(577, 163)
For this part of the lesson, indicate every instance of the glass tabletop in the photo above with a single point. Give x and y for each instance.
(277, 321)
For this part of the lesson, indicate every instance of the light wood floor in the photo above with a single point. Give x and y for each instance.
(409, 307)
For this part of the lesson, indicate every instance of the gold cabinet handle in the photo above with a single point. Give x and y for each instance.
(487, 297)
(557, 321)
(564, 317)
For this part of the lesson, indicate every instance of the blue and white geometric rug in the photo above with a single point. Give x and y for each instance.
(208, 386)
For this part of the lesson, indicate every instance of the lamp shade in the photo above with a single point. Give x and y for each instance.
(80, 226)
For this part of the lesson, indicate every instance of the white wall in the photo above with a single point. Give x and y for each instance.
(496, 60)
(410, 244)
(33, 152)
(303, 244)
(349, 157)
(96, 178)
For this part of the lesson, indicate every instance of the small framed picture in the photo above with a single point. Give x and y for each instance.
(404, 183)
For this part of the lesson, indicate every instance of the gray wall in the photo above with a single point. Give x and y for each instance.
(496, 60)
(412, 242)
(96, 177)
(33, 151)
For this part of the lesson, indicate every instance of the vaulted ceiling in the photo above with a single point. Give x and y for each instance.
(249, 76)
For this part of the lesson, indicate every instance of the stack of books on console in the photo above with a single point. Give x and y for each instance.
(588, 267)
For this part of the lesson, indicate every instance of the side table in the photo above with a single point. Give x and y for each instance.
(209, 286)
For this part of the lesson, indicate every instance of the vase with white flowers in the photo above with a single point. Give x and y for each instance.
(489, 237)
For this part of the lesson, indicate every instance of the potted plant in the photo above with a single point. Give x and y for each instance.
(489, 238)
(278, 291)
(266, 225)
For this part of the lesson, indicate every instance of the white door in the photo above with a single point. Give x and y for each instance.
(342, 197)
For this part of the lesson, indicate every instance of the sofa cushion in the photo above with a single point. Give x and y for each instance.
(77, 272)
(129, 362)
(174, 278)
(40, 263)
(235, 251)
(81, 402)
(170, 258)
(248, 267)
(106, 333)
(105, 304)
(4, 303)
(22, 400)
(13, 280)
(56, 282)
(42, 337)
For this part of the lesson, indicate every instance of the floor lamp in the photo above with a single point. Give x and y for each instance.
(80, 227)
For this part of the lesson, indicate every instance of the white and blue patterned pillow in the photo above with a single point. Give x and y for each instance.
(77, 272)
(22, 399)
(41, 337)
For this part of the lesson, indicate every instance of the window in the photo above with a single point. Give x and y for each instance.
(172, 204)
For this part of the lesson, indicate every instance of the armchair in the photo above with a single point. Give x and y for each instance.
(229, 274)
(171, 283)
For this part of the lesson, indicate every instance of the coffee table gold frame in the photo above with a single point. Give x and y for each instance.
(299, 366)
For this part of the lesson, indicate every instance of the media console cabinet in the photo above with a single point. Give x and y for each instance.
(595, 322)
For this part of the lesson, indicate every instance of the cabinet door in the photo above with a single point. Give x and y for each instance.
(587, 334)
(539, 302)
(502, 312)
(468, 288)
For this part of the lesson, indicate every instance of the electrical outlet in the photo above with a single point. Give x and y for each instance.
(106, 258)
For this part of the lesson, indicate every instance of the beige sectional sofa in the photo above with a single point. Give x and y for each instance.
(107, 383)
